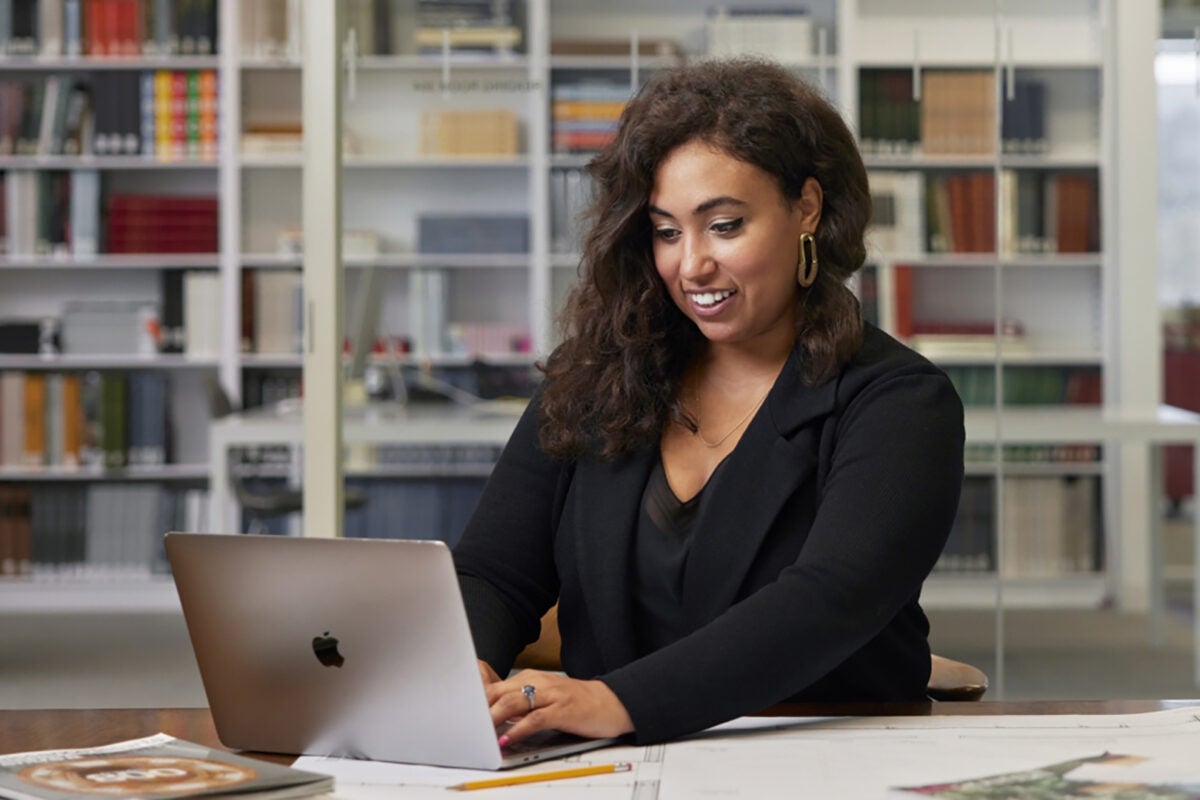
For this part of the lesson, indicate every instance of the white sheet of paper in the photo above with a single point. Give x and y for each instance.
(846, 758)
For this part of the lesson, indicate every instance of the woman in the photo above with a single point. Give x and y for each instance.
(732, 487)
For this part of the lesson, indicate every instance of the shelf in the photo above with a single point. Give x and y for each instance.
(129, 261)
(614, 62)
(1046, 261)
(401, 63)
(978, 590)
(94, 64)
(272, 361)
(398, 261)
(295, 360)
(1036, 468)
(74, 362)
(378, 471)
(1082, 425)
(570, 160)
(922, 161)
(981, 161)
(294, 161)
(101, 162)
(89, 591)
(159, 472)
(950, 356)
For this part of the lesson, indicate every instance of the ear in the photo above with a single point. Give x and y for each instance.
(808, 207)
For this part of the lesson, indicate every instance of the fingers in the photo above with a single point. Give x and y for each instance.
(508, 699)
(486, 672)
(586, 708)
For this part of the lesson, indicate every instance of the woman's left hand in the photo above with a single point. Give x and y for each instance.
(584, 708)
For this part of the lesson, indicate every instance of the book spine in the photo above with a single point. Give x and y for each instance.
(50, 27)
(146, 118)
(34, 450)
(85, 212)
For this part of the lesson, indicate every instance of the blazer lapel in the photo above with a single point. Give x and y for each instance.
(606, 517)
(763, 471)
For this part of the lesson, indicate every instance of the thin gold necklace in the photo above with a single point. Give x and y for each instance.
(739, 424)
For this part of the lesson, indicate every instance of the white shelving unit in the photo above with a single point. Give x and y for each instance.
(1089, 311)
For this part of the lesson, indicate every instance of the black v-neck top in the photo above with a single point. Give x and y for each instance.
(661, 546)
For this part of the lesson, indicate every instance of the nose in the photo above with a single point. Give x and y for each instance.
(697, 260)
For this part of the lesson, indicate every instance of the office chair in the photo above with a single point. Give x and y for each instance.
(949, 680)
(263, 505)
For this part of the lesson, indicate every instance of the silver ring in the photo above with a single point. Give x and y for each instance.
(529, 693)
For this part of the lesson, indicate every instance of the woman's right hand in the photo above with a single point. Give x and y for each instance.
(486, 672)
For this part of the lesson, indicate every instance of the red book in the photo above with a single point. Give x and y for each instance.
(111, 30)
(902, 284)
(958, 191)
(91, 27)
(983, 213)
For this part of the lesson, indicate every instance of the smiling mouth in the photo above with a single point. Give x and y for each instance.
(710, 299)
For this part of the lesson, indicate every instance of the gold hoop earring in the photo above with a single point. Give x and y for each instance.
(806, 270)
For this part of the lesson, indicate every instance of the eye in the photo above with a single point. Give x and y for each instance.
(727, 226)
(666, 234)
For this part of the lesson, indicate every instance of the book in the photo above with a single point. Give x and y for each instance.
(151, 768)
(1113, 776)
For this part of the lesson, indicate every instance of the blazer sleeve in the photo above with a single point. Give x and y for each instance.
(887, 505)
(505, 557)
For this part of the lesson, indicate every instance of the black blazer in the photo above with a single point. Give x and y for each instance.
(804, 574)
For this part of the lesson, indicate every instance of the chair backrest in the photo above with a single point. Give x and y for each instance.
(955, 681)
(949, 680)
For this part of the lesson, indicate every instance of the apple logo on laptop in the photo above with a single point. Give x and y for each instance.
(326, 648)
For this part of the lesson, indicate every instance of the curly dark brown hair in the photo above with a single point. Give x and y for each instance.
(611, 386)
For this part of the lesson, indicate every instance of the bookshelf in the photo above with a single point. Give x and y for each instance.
(1077, 310)
(990, 144)
(104, 104)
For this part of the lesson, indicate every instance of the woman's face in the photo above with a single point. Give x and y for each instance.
(726, 243)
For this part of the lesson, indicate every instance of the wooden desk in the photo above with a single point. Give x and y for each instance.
(43, 730)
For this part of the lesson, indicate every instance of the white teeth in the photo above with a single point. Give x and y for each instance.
(711, 298)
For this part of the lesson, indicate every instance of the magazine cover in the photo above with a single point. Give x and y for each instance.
(1108, 776)
(158, 766)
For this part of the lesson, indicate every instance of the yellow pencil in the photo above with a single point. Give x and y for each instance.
(552, 775)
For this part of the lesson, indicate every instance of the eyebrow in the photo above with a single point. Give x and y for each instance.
(707, 205)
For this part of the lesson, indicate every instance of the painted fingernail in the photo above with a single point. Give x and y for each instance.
(503, 740)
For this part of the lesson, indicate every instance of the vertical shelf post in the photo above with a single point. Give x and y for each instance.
(321, 97)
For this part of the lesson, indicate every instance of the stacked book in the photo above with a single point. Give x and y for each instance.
(889, 116)
(570, 196)
(969, 548)
(45, 116)
(108, 28)
(584, 113)
(469, 132)
(1050, 212)
(137, 223)
(1028, 385)
(961, 213)
(90, 420)
(99, 529)
(429, 289)
(1023, 117)
(897, 213)
(481, 25)
(958, 112)
(784, 33)
(179, 114)
(277, 300)
(1051, 528)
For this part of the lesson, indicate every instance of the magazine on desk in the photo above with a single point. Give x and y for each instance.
(1107, 776)
(152, 768)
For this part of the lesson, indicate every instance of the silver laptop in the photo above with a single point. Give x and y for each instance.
(347, 647)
